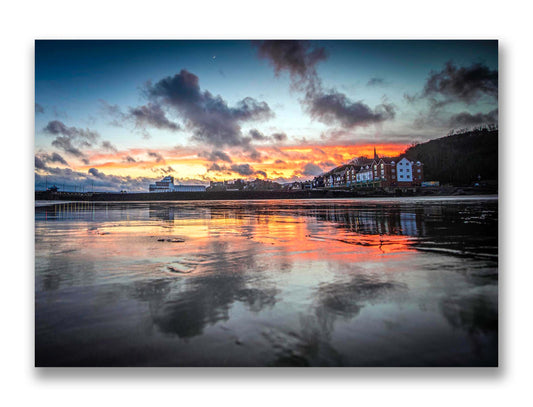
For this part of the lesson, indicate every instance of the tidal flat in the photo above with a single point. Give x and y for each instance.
(330, 282)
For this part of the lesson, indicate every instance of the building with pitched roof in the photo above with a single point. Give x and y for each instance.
(384, 172)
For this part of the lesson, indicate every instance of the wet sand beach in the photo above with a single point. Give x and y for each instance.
(330, 282)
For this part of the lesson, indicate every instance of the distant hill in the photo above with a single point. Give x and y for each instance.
(456, 159)
(459, 158)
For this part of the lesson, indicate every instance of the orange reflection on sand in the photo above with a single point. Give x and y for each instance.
(292, 236)
(302, 238)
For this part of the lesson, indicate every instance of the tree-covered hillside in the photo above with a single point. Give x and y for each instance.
(459, 158)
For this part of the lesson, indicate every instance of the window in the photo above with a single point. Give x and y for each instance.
(393, 170)
(401, 169)
(418, 170)
(401, 176)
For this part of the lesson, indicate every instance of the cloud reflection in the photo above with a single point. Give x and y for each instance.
(298, 283)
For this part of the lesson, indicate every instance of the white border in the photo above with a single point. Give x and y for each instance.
(24, 21)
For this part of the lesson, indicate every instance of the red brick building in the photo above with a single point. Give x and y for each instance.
(397, 172)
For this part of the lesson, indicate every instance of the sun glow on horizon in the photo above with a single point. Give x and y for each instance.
(284, 162)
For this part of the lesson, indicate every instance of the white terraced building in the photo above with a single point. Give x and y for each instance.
(167, 185)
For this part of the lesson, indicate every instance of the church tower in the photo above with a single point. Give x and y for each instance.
(376, 157)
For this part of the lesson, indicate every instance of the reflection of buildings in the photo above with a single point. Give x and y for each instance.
(381, 220)
(167, 185)
(390, 221)
(161, 212)
(408, 224)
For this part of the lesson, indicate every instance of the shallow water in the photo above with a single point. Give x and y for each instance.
(349, 282)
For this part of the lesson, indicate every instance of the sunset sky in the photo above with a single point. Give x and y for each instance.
(119, 114)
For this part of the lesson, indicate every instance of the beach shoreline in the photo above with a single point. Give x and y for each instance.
(253, 195)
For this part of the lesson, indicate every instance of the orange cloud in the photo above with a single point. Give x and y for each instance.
(278, 161)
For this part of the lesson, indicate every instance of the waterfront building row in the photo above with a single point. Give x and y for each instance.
(376, 173)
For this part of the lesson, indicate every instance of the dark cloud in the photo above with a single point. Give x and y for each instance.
(216, 156)
(209, 117)
(255, 156)
(257, 135)
(279, 162)
(250, 109)
(242, 169)
(166, 170)
(129, 159)
(71, 139)
(468, 119)
(295, 56)
(279, 137)
(331, 107)
(38, 108)
(461, 84)
(442, 120)
(336, 108)
(375, 82)
(115, 112)
(311, 169)
(217, 168)
(64, 143)
(142, 118)
(158, 157)
(84, 137)
(39, 163)
(42, 159)
(56, 158)
(95, 173)
(106, 145)
(151, 115)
